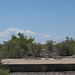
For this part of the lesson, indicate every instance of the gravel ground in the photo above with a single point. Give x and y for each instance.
(45, 73)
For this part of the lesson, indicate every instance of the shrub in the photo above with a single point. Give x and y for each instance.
(4, 72)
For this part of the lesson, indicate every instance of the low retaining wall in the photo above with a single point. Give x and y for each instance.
(39, 67)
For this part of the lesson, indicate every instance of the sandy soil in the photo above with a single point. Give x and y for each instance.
(42, 61)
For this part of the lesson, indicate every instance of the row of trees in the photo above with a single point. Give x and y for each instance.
(21, 46)
(67, 47)
(64, 48)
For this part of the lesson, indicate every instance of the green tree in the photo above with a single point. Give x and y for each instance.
(49, 45)
(18, 47)
(66, 47)
(35, 49)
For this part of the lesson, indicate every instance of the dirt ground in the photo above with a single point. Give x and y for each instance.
(45, 73)
(39, 61)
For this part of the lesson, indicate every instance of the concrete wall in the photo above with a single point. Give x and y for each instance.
(40, 67)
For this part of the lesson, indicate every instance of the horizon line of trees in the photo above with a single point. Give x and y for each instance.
(19, 47)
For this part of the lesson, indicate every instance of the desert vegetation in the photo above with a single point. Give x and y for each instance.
(2, 70)
(22, 46)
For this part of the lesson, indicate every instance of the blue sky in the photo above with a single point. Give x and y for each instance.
(42, 19)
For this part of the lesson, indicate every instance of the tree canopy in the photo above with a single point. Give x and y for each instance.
(20, 46)
(66, 47)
